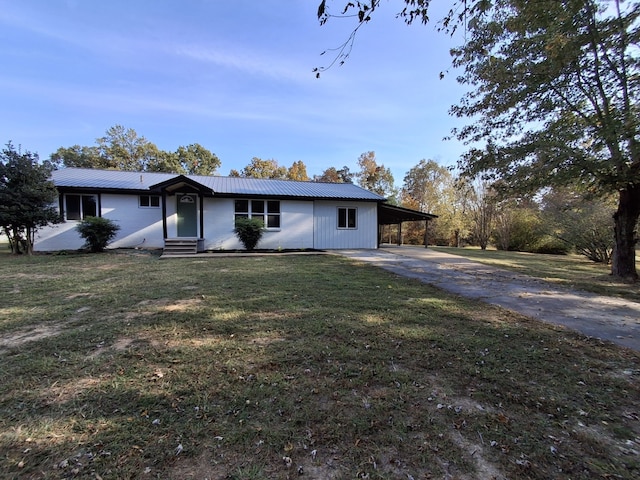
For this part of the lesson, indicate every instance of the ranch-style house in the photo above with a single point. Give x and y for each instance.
(197, 213)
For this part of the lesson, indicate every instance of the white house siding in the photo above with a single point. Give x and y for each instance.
(138, 226)
(328, 236)
(303, 224)
(296, 226)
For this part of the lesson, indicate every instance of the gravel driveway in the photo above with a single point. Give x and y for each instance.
(607, 318)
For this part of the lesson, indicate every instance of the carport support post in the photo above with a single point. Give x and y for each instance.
(399, 233)
(426, 234)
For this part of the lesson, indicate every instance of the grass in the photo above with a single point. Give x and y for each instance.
(572, 271)
(125, 366)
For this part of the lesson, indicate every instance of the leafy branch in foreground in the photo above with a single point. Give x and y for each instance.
(460, 11)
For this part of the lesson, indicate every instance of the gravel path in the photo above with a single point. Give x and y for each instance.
(607, 318)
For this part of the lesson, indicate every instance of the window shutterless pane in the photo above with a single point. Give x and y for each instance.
(242, 206)
(273, 206)
(154, 201)
(351, 220)
(273, 221)
(342, 218)
(257, 206)
(73, 207)
(89, 206)
(144, 200)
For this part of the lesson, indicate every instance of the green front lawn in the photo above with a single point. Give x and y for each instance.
(572, 271)
(126, 366)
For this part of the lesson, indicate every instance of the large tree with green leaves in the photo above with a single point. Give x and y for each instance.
(27, 197)
(375, 177)
(259, 168)
(333, 175)
(556, 91)
(123, 149)
(554, 99)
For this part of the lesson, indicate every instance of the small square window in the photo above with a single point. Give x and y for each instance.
(347, 218)
(149, 201)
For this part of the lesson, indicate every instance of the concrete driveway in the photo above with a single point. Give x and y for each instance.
(607, 318)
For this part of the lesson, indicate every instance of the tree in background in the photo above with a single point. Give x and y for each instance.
(482, 207)
(79, 157)
(298, 171)
(259, 168)
(27, 198)
(122, 149)
(194, 159)
(519, 225)
(556, 102)
(332, 175)
(376, 178)
(432, 188)
(584, 224)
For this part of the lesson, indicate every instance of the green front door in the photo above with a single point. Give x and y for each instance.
(187, 215)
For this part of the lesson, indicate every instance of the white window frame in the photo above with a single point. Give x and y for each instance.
(259, 213)
(81, 206)
(346, 218)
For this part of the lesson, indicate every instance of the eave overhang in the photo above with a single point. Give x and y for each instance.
(392, 215)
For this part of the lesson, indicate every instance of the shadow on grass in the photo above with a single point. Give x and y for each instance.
(255, 367)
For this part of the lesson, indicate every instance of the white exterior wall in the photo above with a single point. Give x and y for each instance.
(139, 227)
(327, 234)
(303, 224)
(296, 226)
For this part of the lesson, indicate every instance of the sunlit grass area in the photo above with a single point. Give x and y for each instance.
(573, 271)
(121, 365)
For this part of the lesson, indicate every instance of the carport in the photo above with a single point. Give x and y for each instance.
(395, 215)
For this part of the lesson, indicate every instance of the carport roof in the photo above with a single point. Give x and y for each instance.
(392, 214)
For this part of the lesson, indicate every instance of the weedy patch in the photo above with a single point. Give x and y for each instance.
(294, 367)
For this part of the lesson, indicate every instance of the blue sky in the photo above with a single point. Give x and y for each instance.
(233, 75)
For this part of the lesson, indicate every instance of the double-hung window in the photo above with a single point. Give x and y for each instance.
(79, 207)
(149, 201)
(268, 211)
(347, 218)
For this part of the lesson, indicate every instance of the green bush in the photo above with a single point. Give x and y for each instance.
(97, 232)
(551, 245)
(249, 231)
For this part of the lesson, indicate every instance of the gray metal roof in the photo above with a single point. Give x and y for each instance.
(119, 180)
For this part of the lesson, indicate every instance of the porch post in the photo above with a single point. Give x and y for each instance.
(164, 214)
(201, 215)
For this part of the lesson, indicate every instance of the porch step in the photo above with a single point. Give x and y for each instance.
(180, 246)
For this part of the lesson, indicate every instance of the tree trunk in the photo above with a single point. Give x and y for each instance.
(623, 263)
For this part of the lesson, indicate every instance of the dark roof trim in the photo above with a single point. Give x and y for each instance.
(392, 215)
(174, 184)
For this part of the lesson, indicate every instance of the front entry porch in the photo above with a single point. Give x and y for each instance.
(183, 246)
